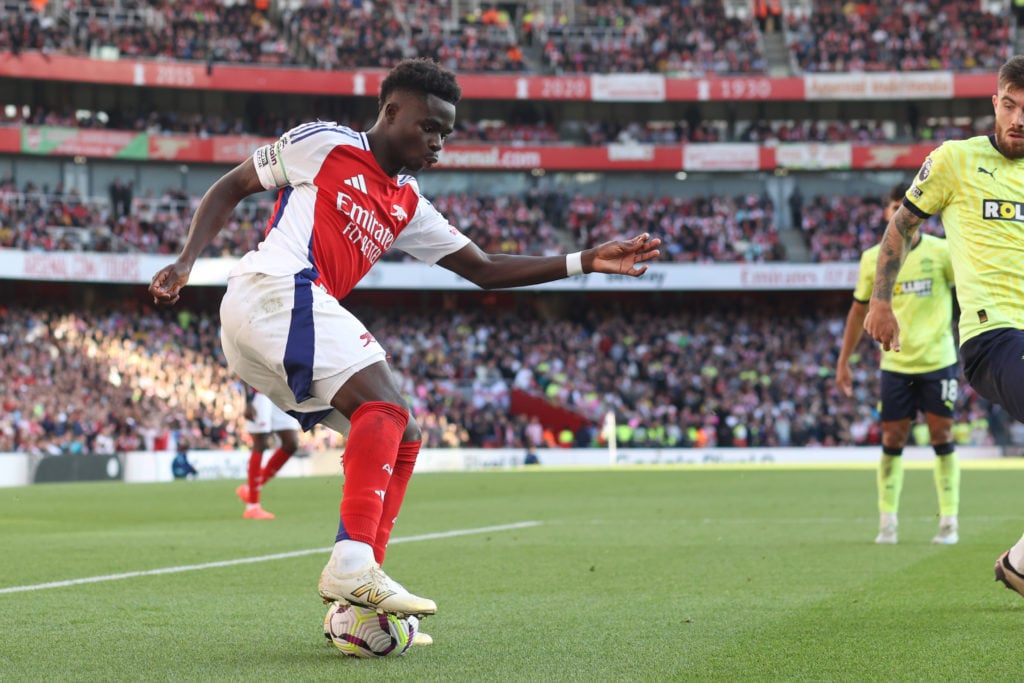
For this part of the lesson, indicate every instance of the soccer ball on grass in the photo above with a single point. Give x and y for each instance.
(361, 632)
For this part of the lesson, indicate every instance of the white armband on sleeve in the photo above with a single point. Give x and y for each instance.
(270, 166)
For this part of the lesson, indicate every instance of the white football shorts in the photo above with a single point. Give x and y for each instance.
(269, 418)
(291, 340)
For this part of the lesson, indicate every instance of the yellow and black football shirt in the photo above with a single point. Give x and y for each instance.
(923, 303)
(980, 194)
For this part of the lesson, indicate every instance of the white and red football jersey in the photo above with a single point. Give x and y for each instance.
(338, 212)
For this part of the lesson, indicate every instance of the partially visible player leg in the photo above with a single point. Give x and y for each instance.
(407, 452)
(937, 394)
(373, 404)
(286, 428)
(992, 365)
(250, 492)
(890, 485)
(947, 477)
(258, 412)
(890, 479)
(899, 405)
(289, 444)
(947, 485)
(276, 462)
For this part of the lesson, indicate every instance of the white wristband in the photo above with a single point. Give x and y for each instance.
(574, 264)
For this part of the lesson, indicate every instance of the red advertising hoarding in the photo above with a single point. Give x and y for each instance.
(709, 157)
(608, 88)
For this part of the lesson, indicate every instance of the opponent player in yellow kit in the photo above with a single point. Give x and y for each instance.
(978, 185)
(923, 376)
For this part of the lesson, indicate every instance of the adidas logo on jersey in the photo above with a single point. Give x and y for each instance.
(358, 182)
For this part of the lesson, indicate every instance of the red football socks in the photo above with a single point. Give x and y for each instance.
(369, 461)
(276, 462)
(407, 452)
(255, 480)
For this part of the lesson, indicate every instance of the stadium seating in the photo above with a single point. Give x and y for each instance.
(700, 229)
(746, 380)
(963, 35)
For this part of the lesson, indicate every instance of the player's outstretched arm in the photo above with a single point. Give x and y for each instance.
(496, 271)
(881, 322)
(211, 215)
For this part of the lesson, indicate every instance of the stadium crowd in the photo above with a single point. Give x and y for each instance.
(126, 378)
(721, 229)
(962, 35)
(35, 218)
(598, 36)
(677, 37)
(838, 228)
(699, 229)
(605, 36)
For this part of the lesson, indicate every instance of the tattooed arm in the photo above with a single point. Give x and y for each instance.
(881, 322)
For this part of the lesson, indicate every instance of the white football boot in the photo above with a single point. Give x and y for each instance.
(887, 530)
(949, 533)
(371, 587)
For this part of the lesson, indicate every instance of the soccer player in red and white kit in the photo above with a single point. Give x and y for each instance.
(263, 420)
(343, 201)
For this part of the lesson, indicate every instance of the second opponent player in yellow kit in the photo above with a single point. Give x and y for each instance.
(922, 377)
(978, 185)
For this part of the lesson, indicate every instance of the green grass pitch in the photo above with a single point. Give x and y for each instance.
(637, 574)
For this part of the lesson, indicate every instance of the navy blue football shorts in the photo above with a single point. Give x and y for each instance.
(931, 392)
(994, 367)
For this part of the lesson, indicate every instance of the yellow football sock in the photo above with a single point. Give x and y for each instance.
(890, 483)
(947, 483)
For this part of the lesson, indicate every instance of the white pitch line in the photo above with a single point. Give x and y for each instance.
(261, 558)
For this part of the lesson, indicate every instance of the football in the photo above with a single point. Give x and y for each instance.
(361, 632)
